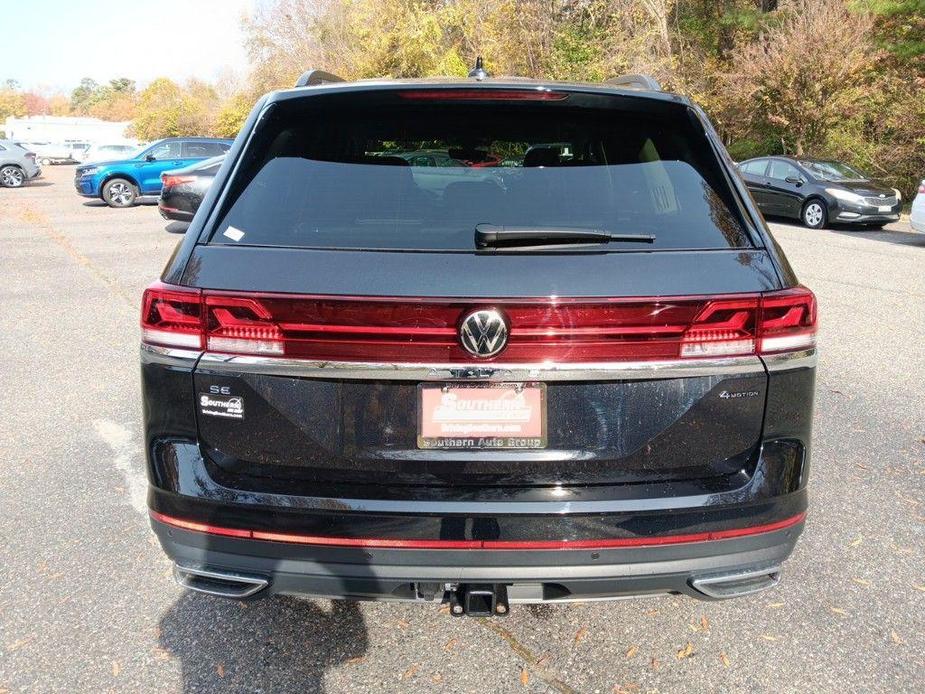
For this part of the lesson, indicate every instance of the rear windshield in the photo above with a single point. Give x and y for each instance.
(382, 171)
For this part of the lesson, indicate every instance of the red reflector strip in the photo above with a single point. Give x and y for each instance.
(199, 527)
(381, 543)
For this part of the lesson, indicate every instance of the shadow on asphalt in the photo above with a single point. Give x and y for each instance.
(39, 184)
(902, 238)
(176, 227)
(275, 644)
(143, 201)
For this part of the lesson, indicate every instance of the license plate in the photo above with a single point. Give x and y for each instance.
(884, 208)
(482, 416)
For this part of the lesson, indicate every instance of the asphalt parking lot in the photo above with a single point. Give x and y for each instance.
(86, 598)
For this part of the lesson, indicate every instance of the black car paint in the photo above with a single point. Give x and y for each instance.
(761, 478)
(180, 202)
(786, 197)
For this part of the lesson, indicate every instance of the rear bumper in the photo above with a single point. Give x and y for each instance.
(530, 575)
(365, 541)
(173, 213)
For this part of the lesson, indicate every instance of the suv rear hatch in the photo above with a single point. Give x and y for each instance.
(334, 295)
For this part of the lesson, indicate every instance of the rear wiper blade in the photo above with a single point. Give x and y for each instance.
(491, 236)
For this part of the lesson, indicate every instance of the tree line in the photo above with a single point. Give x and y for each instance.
(832, 78)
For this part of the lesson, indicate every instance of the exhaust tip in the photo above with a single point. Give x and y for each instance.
(735, 584)
(223, 584)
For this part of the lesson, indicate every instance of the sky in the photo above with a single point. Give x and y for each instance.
(55, 43)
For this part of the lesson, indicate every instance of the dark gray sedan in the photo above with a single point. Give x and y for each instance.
(182, 189)
(819, 192)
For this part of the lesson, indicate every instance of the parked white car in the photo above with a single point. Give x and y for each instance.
(917, 216)
(49, 152)
(106, 152)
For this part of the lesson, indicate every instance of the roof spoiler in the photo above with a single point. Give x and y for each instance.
(643, 82)
(313, 78)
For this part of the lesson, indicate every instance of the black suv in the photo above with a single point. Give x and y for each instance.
(585, 373)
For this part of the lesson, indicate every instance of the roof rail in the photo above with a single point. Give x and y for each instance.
(312, 78)
(635, 82)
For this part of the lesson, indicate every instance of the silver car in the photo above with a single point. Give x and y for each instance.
(917, 216)
(17, 165)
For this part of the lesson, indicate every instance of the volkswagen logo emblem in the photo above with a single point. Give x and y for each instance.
(483, 333)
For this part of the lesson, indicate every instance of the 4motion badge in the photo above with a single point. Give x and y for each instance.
(726, 395)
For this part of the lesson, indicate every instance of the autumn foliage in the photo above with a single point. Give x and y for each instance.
(839, 78)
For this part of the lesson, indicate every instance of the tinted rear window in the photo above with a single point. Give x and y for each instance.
(378, 171)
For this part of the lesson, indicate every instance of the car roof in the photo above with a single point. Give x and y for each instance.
(469, 83)
(193, 138)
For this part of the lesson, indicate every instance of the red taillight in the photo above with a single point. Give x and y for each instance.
(783, 321)
(724, 327)
(170, 181)
(788, 321)
(406, 330)
(483, 94)
(241, 324)
(172, 316)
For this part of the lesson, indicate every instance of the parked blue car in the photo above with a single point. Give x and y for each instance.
(120, 183)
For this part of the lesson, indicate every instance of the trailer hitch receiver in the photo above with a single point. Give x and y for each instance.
(479, 600)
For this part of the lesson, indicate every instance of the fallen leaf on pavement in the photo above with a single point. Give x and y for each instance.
(704, 623)
(922, 588)
(896, 638)
(654, 663)
(838, 610)
(450, 645)
(775, 605)
(524, 677)
(856, 541)
(580, 634)
(861, 581)
(633, 650)
(410, 672)
(403, 624)
(356, 660)
(686, 652)
(768, 637)
(116, 668)
(437, 678)
(220, 669)
(724, 659)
